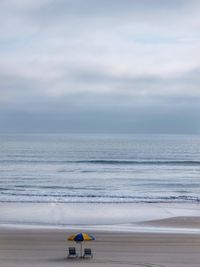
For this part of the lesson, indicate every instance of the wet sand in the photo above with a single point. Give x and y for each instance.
(176, 222)
(48, 247)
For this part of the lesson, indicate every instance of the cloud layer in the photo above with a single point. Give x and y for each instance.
(90, 63)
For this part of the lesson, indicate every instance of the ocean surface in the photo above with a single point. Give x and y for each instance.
(99, 168)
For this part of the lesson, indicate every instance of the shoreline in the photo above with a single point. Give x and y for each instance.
(137, 217)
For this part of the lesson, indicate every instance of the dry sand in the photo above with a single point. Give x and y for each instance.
(39, 247)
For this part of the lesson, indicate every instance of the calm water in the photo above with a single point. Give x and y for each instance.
(100, 168)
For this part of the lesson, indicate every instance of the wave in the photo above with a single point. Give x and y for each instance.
(92, 198)
(156, 162)
(108, 162)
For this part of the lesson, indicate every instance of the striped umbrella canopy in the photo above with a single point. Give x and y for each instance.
(79, 238)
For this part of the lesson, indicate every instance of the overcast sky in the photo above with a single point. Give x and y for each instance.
(124, 66)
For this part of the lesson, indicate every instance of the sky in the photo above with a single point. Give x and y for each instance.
(109, 66)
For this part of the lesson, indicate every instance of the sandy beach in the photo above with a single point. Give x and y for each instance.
(48, 247)
(165, 235)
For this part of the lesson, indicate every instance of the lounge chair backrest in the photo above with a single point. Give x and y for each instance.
(72, 251)
(87, 251)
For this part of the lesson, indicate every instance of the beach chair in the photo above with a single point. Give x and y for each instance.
(87, 253)
(72, 253)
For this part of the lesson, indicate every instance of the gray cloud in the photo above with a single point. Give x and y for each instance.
(129, 62)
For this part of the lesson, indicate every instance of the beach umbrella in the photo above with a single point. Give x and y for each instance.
(79, 238)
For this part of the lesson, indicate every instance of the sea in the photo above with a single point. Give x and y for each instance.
(99, 168)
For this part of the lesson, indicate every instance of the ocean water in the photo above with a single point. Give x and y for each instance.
(99, 168)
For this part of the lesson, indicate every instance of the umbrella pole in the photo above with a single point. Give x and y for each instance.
(81, 249)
